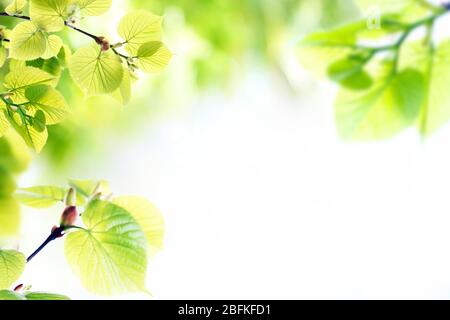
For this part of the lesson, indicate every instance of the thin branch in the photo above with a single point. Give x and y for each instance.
(96, 38)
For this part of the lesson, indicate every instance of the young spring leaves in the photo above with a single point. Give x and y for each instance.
(110, 247)
(388, 87)
(12, 295)
(98, 69)
(110, 254)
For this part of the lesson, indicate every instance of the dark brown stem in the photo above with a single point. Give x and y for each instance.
(56, 234)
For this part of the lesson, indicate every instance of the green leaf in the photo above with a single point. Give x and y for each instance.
(11, 295)
(28, 41)
(15, 154)
(123, 93)
(384, 5)
(64, 55)
(41, 197)
(49, 101)
(153, 56)
(139, 27)
(110, 256)
(391, 104)
(435, 64)
(96, 71)
(93, 7)
(9, 217)
(53, 46)
(16, 7)
(148, 217)
(7, 183)
(12, 265)
(86, 188)
(44, 296)
(49, 15)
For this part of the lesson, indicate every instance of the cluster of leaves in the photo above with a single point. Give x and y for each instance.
(108, 249)
(386, 87)
(36, 56)
(12, 264)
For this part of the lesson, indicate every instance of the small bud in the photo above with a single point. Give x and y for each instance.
(130, 60)
(104, 43)
(18, 288)
(69, 216)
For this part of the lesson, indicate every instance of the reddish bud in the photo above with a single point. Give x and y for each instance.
(69, 216)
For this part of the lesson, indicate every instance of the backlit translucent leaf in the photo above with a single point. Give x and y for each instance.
(4, 123)
(3, 56)
(54, 44)
(52, 66)
(15, 7)
(41, 196)
(15, 153)
(110, 256)
(148, 217)
(44, 296)
(12, 264)
(391, 104)
(139, 27)
(49, 14)
(9, 217)
(153, 56)
(435, 64)
(93, 7)
(11, 295)
(96, 71)
(28, 42)
(7, 183)
(123, 93)
(49, 101)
